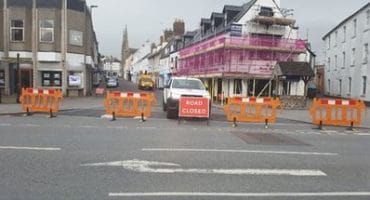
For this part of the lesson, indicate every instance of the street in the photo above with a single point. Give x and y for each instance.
(79, 155)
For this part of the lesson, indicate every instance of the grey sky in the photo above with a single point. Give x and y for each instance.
(146, 19)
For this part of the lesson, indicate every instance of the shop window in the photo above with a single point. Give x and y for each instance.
(75, 79)
(238, 86)
(51, 79)
(2, 78)
(17, 30)
(46, 31)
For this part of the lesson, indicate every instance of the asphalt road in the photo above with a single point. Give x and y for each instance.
(339, 163)
(88, 157)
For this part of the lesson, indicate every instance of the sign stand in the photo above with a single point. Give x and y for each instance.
(194, 107)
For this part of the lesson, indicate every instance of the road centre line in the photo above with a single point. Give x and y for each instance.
(239, 151)
(30, 148)
(205, 194)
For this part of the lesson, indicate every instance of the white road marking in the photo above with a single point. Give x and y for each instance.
(147, 128)
(239, 151)
(145, 167)
(363, 134)
(30, 148)
(204, 194)
(5, 124)
(31, 125)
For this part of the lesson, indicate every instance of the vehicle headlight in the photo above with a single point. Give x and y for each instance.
(207, 96)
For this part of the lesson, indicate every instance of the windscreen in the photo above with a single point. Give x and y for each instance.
(187, 84)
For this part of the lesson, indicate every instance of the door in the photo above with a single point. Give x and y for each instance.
(26, 78)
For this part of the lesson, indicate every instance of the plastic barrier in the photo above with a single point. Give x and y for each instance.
(129, 104)
(337, 112)
(251, 109)
(40, 100)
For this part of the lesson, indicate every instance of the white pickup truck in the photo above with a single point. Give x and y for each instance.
(177, 87)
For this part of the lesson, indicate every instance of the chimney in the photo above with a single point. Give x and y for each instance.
(178, 27)
(161, 40)
(168, 33)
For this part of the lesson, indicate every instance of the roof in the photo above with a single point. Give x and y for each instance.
(190, 33)
(232, 8)
(345, 20)
(295, 69)
(246, 7)
(217, 15)
(205, 21)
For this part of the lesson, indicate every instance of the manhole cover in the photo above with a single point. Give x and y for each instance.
(268, 139)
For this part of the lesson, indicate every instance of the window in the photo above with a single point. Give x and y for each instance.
(46, 31)
(336, 38)
(2, 78)
(266, 11)
(75, 38)
(340, 87)
(364, 85)
(335, 62)
(353, 57)
(329, 86)
(17, 30)
(328, 64)
(349, 86)
(329, 42)
(365, 53)
(354, 27)
(344, 33)
(344, 60)
(237, 86)
(51, 79)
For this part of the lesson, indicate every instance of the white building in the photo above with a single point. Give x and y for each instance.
(347, 57)
(112, 66)
(139, 61)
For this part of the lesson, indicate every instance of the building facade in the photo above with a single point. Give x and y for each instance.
(347, 69)
(56, 44)
(235, 51)
(112, 66)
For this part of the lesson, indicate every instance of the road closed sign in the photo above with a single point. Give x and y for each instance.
(197, 107)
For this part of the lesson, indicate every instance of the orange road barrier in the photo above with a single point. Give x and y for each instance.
(337, 112)
(251, 109)
(40, 100)
(129, 104)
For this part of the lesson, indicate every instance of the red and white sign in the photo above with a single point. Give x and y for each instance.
(99, 91)
(197, 107)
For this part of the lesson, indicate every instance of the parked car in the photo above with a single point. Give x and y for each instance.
(177, 87)
(112, 82)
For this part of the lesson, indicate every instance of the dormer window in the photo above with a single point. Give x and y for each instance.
(266, 11)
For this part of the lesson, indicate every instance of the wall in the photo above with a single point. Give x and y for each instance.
(348, 70)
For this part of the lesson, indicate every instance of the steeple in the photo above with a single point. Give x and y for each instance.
(125, 51)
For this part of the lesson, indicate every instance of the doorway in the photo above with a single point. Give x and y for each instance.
(26, 78)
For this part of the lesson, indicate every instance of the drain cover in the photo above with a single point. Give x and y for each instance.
(269, 139)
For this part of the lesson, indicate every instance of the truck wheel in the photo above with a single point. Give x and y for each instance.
(170, 114)
(164, 106)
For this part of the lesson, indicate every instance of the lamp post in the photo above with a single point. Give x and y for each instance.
(18, 80)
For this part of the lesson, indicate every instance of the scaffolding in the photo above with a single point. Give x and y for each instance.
(251, 56)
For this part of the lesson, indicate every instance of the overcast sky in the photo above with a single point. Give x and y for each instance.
(146, 19)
